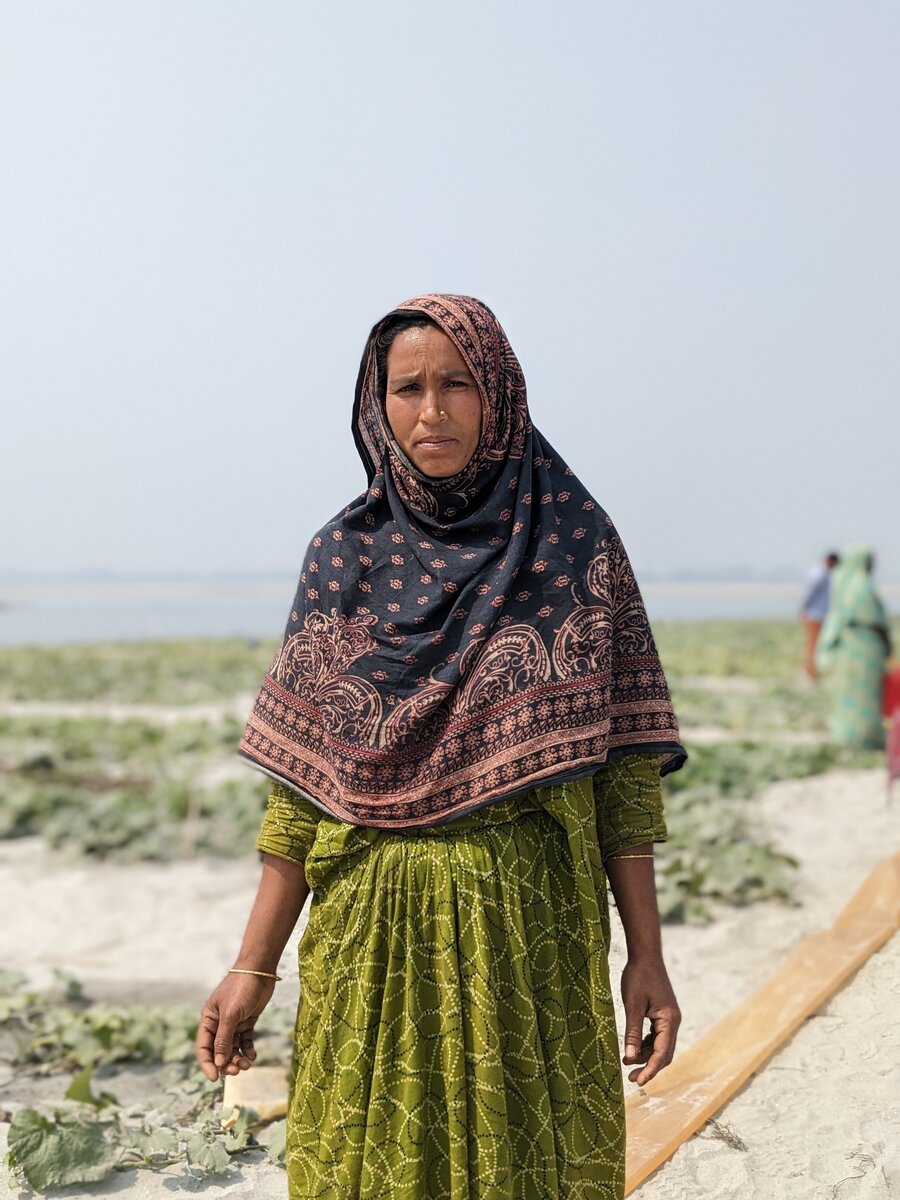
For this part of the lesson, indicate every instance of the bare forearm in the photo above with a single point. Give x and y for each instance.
(634, 887)
(279, 901)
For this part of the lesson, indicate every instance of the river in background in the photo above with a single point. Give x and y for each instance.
(57, 612)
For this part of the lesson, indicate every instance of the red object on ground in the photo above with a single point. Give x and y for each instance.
(891, 709)
(893, 748)
(891, 702)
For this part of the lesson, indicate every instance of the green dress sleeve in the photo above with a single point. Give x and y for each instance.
(289, 826)
(628, 803)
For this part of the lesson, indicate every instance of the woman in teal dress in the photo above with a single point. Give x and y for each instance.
(465, 725)
(853, 650)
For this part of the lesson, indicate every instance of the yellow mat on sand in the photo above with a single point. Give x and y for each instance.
(701, 1080)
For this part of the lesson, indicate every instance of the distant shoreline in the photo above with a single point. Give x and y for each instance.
(67, 611)
(265, 583)
(725, 588)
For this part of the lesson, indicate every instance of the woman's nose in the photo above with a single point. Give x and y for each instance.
(430, 409)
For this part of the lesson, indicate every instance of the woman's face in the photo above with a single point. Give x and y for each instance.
(432, 404)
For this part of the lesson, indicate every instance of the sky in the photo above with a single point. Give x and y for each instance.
(685, 215)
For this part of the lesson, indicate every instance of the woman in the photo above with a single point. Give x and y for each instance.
(854, 647)
(466, 725)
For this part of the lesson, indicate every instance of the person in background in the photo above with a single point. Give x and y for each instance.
(814, 607)
(854, 647)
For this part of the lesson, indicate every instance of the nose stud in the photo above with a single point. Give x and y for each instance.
(443, 415)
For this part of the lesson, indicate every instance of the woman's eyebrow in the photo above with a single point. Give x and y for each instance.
(455, 373)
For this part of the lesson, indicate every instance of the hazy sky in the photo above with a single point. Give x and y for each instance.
(687, 216)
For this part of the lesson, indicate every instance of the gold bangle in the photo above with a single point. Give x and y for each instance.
(245, 971)
(616, 857)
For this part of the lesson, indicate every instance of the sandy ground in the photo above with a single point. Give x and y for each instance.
(820, 1120)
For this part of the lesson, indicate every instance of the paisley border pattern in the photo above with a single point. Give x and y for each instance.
(521, 716)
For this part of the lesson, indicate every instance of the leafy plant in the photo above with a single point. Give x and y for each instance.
(129, 789)
(61, 1036)
(768, 709)
(750, 648)
(187, 672)
(277, 1143)
(59, 1147)
(717, 848)
(87, 1134)
(86, 1137)
(49, 1035)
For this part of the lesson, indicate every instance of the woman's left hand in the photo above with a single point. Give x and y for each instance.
(647, 995)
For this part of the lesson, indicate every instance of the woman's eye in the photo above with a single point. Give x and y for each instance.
(455, 383)
(407, 387)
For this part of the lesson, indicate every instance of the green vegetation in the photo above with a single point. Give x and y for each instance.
(130, 788)
(75, 1034)
(49, 1034)
(203, 672)
(764, 650)
(86, 1135)
(135, 672)
(717, 849)
(771, 650)
(165, 783)
(769, 708)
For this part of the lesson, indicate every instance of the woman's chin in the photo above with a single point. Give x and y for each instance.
(437, 466)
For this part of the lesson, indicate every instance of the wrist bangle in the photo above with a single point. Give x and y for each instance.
(616, 857)
(246, 971)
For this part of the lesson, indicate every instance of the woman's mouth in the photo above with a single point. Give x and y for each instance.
(435, 443)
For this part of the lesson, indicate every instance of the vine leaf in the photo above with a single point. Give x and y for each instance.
(277, 1142)
(210, 1156)
(69, 1148)
(158, 1143)
(80, 1090)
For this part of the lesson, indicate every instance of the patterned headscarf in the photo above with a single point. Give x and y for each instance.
(455, 641)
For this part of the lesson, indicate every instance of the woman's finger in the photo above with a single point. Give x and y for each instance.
(243, 1052)
(225, 1040)
(240, 1057)
(248, 1045)
(634, 1028)
(204, 1045)
(642, 1053)
(663, 1044)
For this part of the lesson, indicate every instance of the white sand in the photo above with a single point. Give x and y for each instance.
(826, 1108)
(820, 1120)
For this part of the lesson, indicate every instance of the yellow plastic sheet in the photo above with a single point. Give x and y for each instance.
(699, 1082)
(264, 1089)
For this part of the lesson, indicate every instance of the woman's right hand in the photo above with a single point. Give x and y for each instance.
(224, 1044)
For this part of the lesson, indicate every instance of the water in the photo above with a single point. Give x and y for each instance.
(72, 611)
(61, 612)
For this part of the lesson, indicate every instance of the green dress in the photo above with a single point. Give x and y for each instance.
(853, 649)
(455, 1035)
